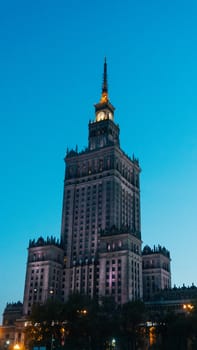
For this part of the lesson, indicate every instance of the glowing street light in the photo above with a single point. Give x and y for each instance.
(16, 346)
(188, 307)
(113, 343)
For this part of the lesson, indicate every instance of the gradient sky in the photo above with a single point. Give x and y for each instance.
(51, 66)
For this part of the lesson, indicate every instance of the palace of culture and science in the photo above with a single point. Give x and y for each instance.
(99, 253)
(100, 250)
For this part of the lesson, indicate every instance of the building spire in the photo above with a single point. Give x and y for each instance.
(104, 109)
(104, 96)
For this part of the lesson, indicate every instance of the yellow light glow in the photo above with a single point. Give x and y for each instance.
(104, 97)
(188, 307)
(152, 335)
(82, 312)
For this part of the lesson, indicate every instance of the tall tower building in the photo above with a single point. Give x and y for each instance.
(101, 231)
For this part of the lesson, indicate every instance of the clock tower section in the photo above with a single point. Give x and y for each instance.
(103, 131)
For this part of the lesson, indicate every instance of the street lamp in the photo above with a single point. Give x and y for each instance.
(113, 344)
(7, 343)
(16, 346)
(188, 307)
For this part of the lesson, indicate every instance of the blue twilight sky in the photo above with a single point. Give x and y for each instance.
(51, 66)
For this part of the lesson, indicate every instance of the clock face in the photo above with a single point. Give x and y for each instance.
(100, 116)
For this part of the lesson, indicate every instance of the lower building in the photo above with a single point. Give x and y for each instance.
(12, 312)
(156, 270)
(12, 330)
(178, 300)
(44, 272)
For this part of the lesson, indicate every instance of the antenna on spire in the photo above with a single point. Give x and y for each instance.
(104, 96)
(104, 87)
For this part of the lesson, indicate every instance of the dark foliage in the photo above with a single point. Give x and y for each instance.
(84, 324)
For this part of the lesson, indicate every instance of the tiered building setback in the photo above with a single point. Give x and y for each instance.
(101, 231)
